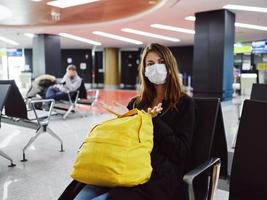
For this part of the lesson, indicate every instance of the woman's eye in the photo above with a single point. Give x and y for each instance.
(148, 64)
(162, 62)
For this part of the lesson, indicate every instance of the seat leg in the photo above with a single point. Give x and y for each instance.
(33, 138)
(38, 133)
(215, 178)
(8, 158)
(68, 112)
(53, 134)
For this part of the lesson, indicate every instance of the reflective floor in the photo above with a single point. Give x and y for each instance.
(46, 173)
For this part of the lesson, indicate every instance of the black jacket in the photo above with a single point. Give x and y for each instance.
(173, 131)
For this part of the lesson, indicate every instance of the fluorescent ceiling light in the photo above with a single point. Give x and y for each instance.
(251, 26)
(129, 30)
(69, 3)
(245, 8)
(172, 28)
(5, 12)
(30, 35)
(190, 18)
(81, 39)
(117, 37)
(4, 39)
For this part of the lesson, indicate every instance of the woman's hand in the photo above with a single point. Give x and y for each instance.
(116, 108)
(155, 110)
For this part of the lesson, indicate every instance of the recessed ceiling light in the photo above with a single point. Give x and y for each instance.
(30, 35)
(129, 30)
(69, 3)
(251, 26)
(81, 39)
(245, 8)
(5, 12)
(4, 39)
(190, 18)
(117, 37)
(172, 28)
(36, 0)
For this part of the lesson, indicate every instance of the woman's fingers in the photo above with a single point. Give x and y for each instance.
(159, 105)
(154, 111)
(159, 110)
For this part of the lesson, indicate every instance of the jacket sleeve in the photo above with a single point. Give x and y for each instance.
(176, 144)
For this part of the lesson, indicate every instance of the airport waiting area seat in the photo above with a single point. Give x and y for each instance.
(219, 145)
(248, 174)
(78, 97)
(17, 113)
(202, 170)
(91, 98)
(259, 92)
(4, 91)
(203, 166)
(69, 105)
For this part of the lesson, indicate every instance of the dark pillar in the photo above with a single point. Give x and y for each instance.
(46, 55)
(213, 54)
(129, 68)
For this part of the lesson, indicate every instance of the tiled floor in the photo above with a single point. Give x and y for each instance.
(46, 173)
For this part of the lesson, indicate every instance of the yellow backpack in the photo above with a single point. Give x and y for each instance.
(117, 152)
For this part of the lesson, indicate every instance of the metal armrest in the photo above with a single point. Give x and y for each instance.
(39, 121)
(214, 163)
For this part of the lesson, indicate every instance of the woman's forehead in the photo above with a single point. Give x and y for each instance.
(153, 56)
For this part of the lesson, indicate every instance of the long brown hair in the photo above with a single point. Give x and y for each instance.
(173, 85)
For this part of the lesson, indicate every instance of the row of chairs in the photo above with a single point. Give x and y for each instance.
(16, 112)
(248, 172)
(4, 90)
(78, 97)
(23, 113)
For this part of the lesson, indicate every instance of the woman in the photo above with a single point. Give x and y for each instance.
(173, 115)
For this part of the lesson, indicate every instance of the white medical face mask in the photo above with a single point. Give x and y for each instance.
(156, 73)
